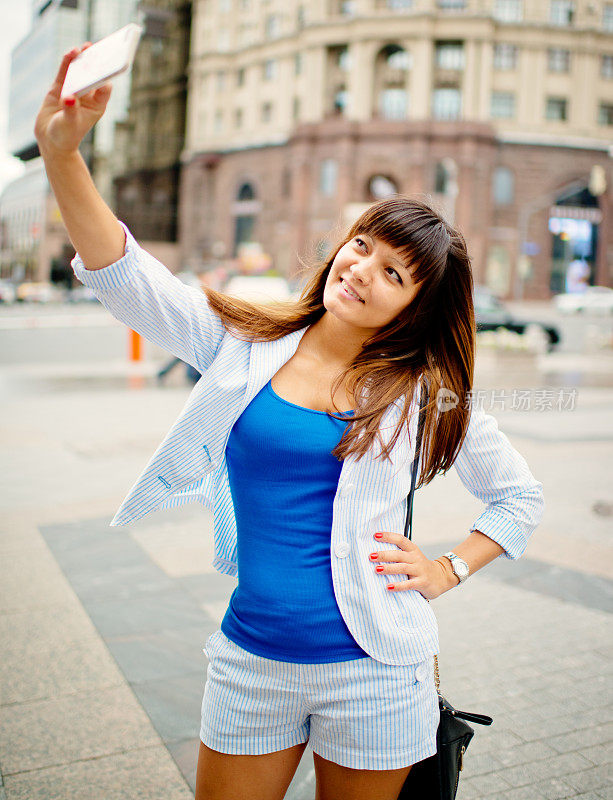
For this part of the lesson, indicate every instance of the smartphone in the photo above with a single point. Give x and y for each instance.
(102, 61)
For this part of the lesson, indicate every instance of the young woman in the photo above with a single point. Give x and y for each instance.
(300, 437)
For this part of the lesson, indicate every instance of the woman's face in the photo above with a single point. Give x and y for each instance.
(377, 273)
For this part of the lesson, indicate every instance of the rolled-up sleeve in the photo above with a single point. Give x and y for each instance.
(141, 292)
(492, 470)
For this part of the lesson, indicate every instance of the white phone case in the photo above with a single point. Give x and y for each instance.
(102, 61)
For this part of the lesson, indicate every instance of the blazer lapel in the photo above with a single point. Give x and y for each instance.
(265, 359)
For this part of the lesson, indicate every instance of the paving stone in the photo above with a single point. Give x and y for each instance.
(146, 613)
(147, 772)
(62, 652)
(534, 771)
(554, 788)
(173, 704)
(185, 754)
(588, 779)
(71, 727)
(167, 654)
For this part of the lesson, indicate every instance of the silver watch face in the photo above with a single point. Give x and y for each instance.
(460, 568)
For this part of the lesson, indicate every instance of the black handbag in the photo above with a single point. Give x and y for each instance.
(436, 777)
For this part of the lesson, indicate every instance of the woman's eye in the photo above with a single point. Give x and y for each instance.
(395, 273)
(360, 242)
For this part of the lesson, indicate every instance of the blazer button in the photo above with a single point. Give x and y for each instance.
(342, 549)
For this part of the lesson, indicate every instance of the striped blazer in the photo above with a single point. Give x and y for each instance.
(190, 466)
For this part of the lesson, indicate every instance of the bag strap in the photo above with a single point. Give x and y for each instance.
(408, 524)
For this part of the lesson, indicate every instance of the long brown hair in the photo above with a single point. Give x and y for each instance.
(432, 338)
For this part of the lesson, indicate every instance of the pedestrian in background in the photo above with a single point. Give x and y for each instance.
(300, 436)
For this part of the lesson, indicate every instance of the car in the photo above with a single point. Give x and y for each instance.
(7, 292)
(491, 314)
(594, 298)
(259, 288)
(38, 292)
(81, 294)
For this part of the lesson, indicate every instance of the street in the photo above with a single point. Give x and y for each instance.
(102, 628)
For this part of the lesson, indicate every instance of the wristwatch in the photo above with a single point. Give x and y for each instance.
(458, 565)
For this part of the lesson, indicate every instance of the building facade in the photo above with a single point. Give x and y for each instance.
(151, 140)
(498, 111)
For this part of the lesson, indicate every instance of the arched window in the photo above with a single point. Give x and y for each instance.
(245, 209)
(503, 186)
(381, 186)
(245, 192)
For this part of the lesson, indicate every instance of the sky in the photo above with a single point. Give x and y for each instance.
(14, 24)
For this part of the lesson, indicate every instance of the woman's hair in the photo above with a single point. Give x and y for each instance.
(432, 338)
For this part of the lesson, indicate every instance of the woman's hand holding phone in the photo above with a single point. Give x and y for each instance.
(62, 123)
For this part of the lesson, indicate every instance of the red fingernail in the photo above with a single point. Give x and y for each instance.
(379, 569)
(378, 536)
(390, 586)
(69, 101)
(373, 556)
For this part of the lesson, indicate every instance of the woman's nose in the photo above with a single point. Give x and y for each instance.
(361, 270)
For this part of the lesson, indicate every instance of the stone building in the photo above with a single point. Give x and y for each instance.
(150, 142)
(301, 112)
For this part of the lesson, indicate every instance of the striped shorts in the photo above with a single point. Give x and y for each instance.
(361, 713)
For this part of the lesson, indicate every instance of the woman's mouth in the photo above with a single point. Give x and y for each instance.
(348, 291)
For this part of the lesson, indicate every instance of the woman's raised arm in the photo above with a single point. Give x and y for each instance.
(60, 127)
(134, 286)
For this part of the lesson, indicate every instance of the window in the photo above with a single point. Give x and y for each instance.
(296, 109)
(221, 81)
(558, 59)
(509, 10)
(561, 12)
(218, 122)
(505, 56)
(393, 103)
(328, 174)
(347, 8)
(399, 5)
(273, 26)
(266, 112)
(607, 17)
(301, 17)
(449, 55)
(240, 77)
(452, 5)
(380, 186)
(446, 103)
(556, 108)
(502, 105)
(399, 59)
(269, 71)
(441, 178)
(606, 66)
(238, 118)
(223, 40)
(245, 192)
(224, 6)
(344, 59)
(605, 114)
(340, 100)
(503, 190)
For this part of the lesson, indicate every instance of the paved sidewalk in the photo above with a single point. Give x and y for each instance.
(101, 629)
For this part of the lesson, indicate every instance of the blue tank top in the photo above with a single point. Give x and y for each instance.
(283, 479)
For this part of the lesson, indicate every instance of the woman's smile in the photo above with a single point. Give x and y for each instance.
(349, 292)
